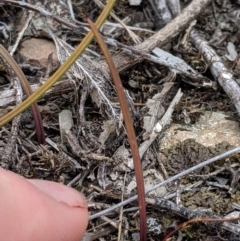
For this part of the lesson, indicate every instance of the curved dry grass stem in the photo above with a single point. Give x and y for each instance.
(60, 72)
(130, 130)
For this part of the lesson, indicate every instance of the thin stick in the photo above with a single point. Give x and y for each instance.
(194, 168)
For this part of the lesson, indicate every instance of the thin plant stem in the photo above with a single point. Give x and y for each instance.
(60, 72)
(130, 130)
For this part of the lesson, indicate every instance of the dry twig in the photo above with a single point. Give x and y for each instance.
(171, 179)
(218, 69)
(178, 24)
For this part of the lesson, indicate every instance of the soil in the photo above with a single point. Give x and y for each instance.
(88, 149)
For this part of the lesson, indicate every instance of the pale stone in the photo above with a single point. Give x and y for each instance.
(65, 123)
(38, 50)
(135, 2)
(208, 131)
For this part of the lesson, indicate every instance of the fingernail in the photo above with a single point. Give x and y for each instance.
(61, 193)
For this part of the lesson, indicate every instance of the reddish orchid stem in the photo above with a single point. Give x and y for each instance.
(199, 219)
(130, 130)
(27, 89)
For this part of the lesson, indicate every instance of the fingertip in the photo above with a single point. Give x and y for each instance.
(40, 210)
(75, 213)
(61, 193)
(79, 224)
(76, 216)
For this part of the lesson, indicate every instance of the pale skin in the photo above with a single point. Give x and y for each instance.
(40, 210)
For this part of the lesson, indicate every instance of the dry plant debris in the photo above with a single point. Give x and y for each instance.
(181, 71)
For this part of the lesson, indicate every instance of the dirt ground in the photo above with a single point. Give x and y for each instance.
(86, 146)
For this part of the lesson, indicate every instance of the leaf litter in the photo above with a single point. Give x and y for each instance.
(95, 156)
